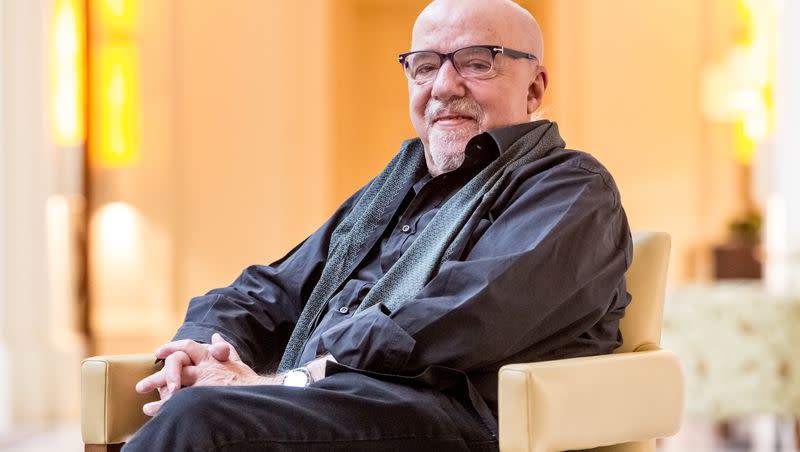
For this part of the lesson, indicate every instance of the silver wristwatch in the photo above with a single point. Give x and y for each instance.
(299, 378)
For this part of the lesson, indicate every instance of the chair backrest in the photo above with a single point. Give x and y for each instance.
(646, 280)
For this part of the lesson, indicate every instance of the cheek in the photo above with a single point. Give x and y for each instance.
(502, 111)
(494, 113)
(418, 100)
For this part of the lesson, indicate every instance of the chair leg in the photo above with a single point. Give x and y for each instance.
(102, 447)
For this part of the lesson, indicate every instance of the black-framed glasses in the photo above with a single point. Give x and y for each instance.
(472, 62)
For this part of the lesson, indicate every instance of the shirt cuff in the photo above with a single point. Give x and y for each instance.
(370, 340)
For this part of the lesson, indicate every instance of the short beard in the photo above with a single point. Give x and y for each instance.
(446, 148)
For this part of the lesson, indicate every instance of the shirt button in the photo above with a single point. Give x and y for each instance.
(405, 228)
(343, 309)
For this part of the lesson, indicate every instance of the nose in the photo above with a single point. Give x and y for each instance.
(448, 83)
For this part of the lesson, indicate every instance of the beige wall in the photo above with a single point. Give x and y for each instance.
(626, 87)
(252, 132)
(234, 166)
(369, 115)
(262, 129)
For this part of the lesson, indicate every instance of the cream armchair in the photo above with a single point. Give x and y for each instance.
(621, 401)
(628, 398)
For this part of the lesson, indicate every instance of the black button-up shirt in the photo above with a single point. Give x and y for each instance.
(541, 277)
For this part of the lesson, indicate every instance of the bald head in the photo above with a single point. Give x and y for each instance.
(508, 23)
(450, 108)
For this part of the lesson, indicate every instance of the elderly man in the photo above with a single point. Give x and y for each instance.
(483, 242)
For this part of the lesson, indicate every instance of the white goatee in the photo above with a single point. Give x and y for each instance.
(446, 147)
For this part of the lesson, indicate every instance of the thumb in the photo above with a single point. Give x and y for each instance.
(221, 350)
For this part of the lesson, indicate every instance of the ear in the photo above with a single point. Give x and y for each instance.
(536, 89)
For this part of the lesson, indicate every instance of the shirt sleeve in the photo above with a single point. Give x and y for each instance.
(546, 270)
(258, 311)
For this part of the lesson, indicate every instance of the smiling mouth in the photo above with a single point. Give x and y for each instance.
(452, 119)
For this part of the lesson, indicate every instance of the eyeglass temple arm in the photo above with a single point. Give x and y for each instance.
(515, 53)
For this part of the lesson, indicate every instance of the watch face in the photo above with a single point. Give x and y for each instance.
(296, 378)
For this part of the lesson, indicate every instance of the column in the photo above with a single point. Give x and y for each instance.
(783, 200)
(40, 348)
(5, 402)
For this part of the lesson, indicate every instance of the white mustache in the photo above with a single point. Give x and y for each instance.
(461, 106)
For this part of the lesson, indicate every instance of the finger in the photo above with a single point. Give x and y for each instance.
(163, 393)
(195, 350)
(219, 349)
(220, 352)
(151, 382)
(224, 348)
(172, 369)
(189, 375)
(152, 408)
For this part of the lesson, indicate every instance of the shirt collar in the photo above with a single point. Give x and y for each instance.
(504, 137)
(423, 179)
(487, 146)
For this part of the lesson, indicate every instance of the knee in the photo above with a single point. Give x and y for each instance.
(182, 421)
(191, 404)
(189, 411)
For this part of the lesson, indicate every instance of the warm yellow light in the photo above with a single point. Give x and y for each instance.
(760, 17)
(116, 106)
(118, 16)
(115, 84)
(68, 73)
(743, 146)
(739, 88)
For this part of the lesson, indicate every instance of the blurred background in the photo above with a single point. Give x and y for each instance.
(152, 149)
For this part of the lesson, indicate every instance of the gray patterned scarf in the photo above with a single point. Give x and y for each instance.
(435, 243)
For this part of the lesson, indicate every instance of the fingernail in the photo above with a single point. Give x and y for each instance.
(171, 387)
(139, 386)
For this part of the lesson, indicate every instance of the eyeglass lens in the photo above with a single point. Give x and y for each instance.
(469, 62)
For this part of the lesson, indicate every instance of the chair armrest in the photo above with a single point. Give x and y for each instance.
(581, 403)
(111, 409)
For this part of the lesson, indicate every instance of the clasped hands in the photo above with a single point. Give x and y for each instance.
(190, 363)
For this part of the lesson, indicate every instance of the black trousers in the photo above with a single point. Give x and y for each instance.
(343, 412)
